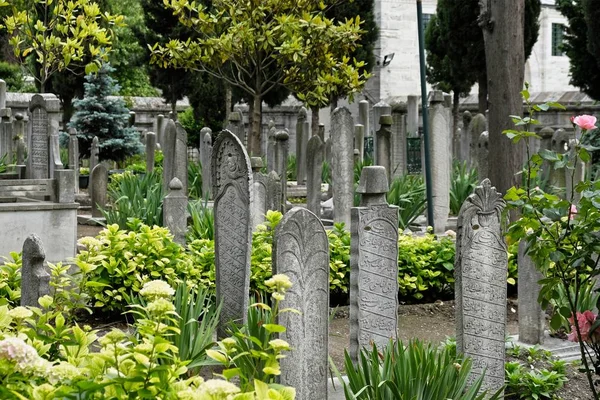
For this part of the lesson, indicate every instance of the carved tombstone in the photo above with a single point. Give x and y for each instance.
(480, 271)
(439, 149)
(483, 153)
(205, 154)
(271, 146)
(301, 251)
(35, 279)
(175, 211)
(314, 168)
(342, 168)
(274, 197)
(232, 180)
(281, 155)
(532, 317)
(259, 192)
(99, 185)
(38, 141)
(477, 125)
(74, 155)
(94, 153)
(301, 143)
(150, 148)
(374, 264)
(398, 167)
(168, 144)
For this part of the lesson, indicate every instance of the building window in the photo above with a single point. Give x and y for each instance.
(558, 31)
(425, 21)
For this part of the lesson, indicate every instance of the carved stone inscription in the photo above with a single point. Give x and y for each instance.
(373, 316)
(481, 266)
(39, 144)
(231, 185)
(302, 253)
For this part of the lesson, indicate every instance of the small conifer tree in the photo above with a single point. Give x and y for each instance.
(98, 115)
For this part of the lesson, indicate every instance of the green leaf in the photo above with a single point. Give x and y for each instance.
(556, 321)
(274, 328)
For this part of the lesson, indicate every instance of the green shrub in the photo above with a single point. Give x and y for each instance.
(10, 279)
(291, 168)
(195, 180)
(415, 371)
(464, 180)
(191, 125)
(408, 193)
(339, 259)
(203, 221)
(202, 256)
(120, 262)
(262, 246)
(12, 75)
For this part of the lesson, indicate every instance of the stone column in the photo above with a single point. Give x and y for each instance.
(315, 155)
(235, 125)
(483, 155)
(271, 146)
(546, 134)
(205, 155)
(98, 184)
(20, 138)
(412, 116)
(531, 315)
(374, 265)
(322, 132)
(6, 127)
(560, 139)
(94, 154)
(476, 127)
(175, 211)
(301, 143)
(35, 279)
(150, 148)
(440, 168)
(281, 156)
(342, 164)
(359, 140)
(379, 109)
(481, 265)
(398, 145)
(74, 155)
(168, 148)
(160, 130)
(363, 117)
(383, 156)
(259, 192)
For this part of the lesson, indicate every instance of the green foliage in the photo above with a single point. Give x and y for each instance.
(107, 118)
(326, 173)
(194, 180)
(120, 262)
(464, 180)
(414, 371)
(10, 280)
(203, 221)
(425, 266)
(137, 197)
(408, 193)
(192, 126)
(262, 246)
(12, 75)
(202, 255)
(586, 298)
(291, 168)
(339, 258)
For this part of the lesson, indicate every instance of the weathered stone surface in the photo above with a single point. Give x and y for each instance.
(259, 192)
(315, 155)
(359, 140)
(574, 176)
(301, 143)
(38, 142)
(35, 279)
(374, 265)
(205, 154)
(160, 130)
(274, 197)
(94, 154)
(363, 117)
(481, 265)
(412, 116)
(65, 185)
(6, 133)
(342, 173)
(168, 144)
(150, 148)
(398, 145)
(235, 125)
(281, 156)
(19, 129)
(465, 139)
(55, 162)
(74, 155)
(175, 211)
(99, 184)
(2, 94)
(232, 180)
(383, 156)
(439, 146)
(301, 251)
(483, 153)
(532, 318)
(321, 132)
(180, 162)
(379, 109)
(271, 146)
(476, 127)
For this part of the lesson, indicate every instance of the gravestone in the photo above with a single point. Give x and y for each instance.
(99, 185)
(271, 146)
(232, 182)
(301, 143)
(315, 155)
(384, 144)
(301, 251)
(235, 126)
(481, 266)
(359, 140)
(259, 192)
(6, 126)
(38, 142)
(281, 156)
(20, 138)
(35, 279)
(131, 121)
(476, 127)
(2, 94)
(363, 117)
(55, 162)
(74, 155)
(374, 265)
(532, 317)
(398, 145)
(94, 154)
(342, 168)
(180, 162)
(65, 185)
(483, 155)
(150, 148)
(440, 162)
(574, 176)
(321, 132)
(412, 116)
(205, 154)
(379, 109)
(356, 157)
(160, 130)
(175, 211)
(274, 197)
(168, 144)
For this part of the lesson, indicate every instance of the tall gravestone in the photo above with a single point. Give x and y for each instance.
(232, 182)
(99, 184)
(363, 117)
(6, 126)
(374, 264)
(74, 155)
(150, 148)
(301, 143)
(399, 137)
(55, 162)
(94, 153)
(440, 162)
(546, 134)
(342, 168)
(314, 163)
(35, 279)
(38, 142)
(271, 146)
(235, 125)
(259, 192)
(483, 153)
(532, 317)
(481, 266)
(171, 154)
(412, 116)
(19, 129)
(574, 176)
(274, 197)
(379, 109)
(175, 211)
(301, 251)
(205, 154)
(359, 140)
(384, 144)
(321, 132)
(180, 162)
(476, 127)
(160, 129)
(281, 156)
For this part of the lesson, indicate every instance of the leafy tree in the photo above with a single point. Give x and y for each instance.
(60, 35)
(257, 46)
(97, 115)
(581, 44)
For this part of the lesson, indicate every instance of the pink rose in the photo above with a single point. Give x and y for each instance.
(586, 122)
(572, 211)
(585, 321)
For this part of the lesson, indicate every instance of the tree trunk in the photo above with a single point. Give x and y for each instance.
(254, 147)
(483, 94)
(314, 122)
(502, 22)
(174, 110)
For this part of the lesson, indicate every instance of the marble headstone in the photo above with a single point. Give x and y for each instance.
(481, 266)
(35, 279)
(363, 117)
(99, 184)
(383, 156)
(301, 143)
(281, 156)
(74, 155)
(38, 142)
(301, 251)
(274, 197)
(532, 318)
(439, 146)
(314, 163)
(232, 183)
(342, 168)
(205, 154)
(259, 192)
(175, 211)
(150, 148)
